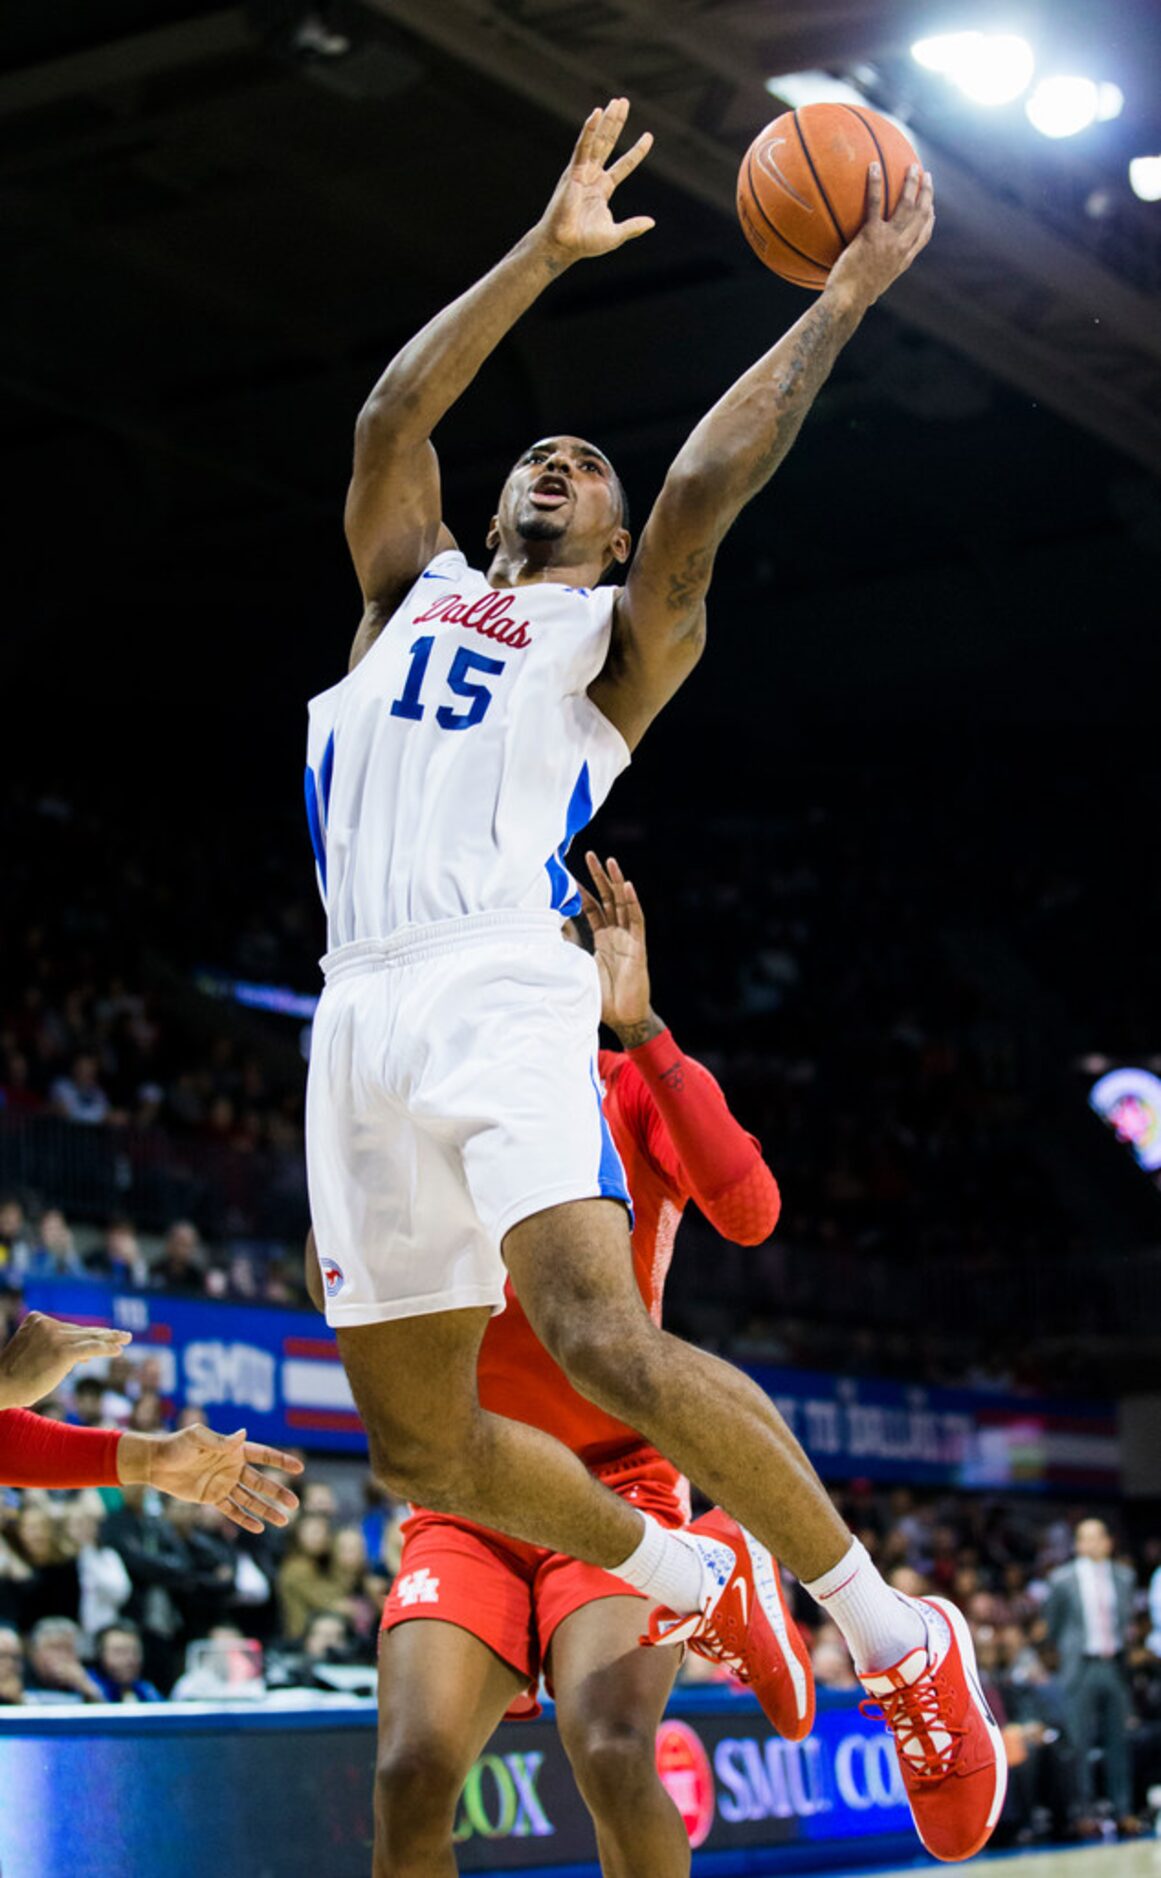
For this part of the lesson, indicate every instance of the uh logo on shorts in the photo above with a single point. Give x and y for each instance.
(333, 1277)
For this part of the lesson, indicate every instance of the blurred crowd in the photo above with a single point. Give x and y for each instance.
(36, 1247)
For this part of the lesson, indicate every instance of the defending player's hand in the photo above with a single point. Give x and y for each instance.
(42, 1353)
(578, 221)
(618, 923)
(222, 1470)
(882, 250)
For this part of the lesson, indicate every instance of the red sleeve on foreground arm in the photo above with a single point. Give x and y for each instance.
(35, 1452)
(721, 1166)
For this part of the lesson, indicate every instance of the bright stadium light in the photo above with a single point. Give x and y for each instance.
(941, 53)
(989, 68)
(799, 88)
(1060, 107)
(1110, 102)
(1145, 178)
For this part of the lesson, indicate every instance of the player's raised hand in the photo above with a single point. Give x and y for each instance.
(882, 250)
(578, 221)
(42, 1353)
(618, 923)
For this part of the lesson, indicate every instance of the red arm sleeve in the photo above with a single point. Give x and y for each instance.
(694, 1137)
(35, 1452)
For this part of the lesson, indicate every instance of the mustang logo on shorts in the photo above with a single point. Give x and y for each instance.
(334, 1277)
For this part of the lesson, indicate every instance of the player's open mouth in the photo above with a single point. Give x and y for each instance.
(548, 492)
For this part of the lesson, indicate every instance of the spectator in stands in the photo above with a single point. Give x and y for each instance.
(147, 1415)
(1040, 1764)
(231, 1667)
(122, 1387)
(53, 1253)
(158, 1562)
(105, 1584)
(319, 1496)
(88, 1409)
(379, 1510)
(226, 1562)
(182, 1265)
(327, 1639)
(79, 1096)
(307, 1582)
(17, 1095)
(15, 1241)
(51, 1586)
(118, 1259)
(11, 1667)
(118, 1668)
(1088, 1613)
(364, 1589)
(55, 1670)
(832, 1660)
(1154, 1639)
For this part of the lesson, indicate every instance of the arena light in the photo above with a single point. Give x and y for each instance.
(1110, 102)
(1145, 178)
(1063, 106)
(989, 68)
(799, 88)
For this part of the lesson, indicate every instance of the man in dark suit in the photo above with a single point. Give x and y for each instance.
(1089, 1607)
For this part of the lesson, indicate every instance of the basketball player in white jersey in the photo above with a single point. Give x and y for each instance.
(454, 1126)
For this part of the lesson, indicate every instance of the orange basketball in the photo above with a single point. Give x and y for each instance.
(802, 187)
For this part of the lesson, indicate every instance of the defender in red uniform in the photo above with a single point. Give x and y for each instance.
(493, 1613)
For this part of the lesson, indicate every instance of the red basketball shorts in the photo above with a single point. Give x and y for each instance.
(513, 1596)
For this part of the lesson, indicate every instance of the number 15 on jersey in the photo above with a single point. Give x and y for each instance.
(466, 661)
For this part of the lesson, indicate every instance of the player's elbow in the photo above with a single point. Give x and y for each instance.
(748, 1212)
(392, 418)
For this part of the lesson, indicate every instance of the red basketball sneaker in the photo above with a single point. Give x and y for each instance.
(745, 1624)
(950, 1749)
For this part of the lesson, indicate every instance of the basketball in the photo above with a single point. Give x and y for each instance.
(802, 186)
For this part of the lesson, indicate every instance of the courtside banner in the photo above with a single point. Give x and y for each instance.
(275, 1372)
(278, 1372)
(146, 1791)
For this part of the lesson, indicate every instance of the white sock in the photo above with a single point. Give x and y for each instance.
(667, 1567)
(880, 1625)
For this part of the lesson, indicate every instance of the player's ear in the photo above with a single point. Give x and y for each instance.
(621, 546)
(492, 538)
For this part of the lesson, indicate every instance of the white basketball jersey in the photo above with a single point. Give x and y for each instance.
(448, 773)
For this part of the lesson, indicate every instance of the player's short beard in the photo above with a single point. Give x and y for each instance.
(540, 528)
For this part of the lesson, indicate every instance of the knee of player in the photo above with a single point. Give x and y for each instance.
(417, 1785)
(614, 1360)
(614, 1764)
(414, 1467)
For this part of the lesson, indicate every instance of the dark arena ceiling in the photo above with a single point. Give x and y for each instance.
(218, 222)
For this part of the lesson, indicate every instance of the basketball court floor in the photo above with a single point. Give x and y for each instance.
(1139, 1858)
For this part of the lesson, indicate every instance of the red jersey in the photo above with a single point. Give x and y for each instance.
(677, 1141)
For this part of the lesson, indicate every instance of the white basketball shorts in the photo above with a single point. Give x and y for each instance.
(452, 1093)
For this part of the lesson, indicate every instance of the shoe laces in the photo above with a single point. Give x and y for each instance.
(914, 1715)
(722, 1641)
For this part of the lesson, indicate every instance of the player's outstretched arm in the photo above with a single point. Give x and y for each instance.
(659, 622)
(681, 1119)
(393, 517)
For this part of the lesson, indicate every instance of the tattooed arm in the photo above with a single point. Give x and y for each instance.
(659, 624)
